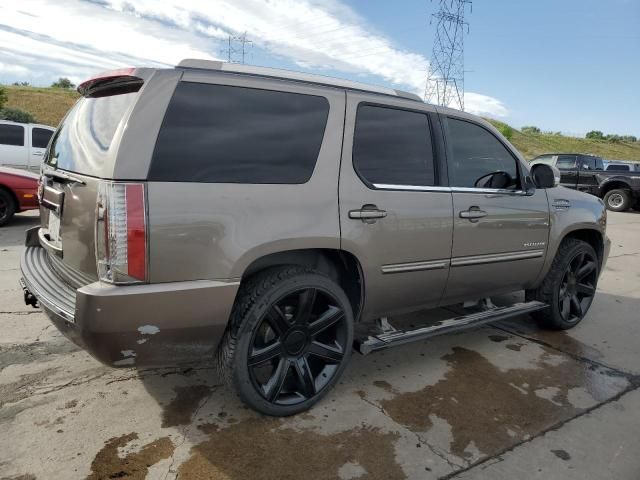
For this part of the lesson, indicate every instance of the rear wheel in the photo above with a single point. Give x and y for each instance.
(569, 287)
(617, 200)
(289, 340)
(7, 207)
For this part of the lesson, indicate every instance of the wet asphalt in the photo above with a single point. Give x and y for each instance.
(500, 402)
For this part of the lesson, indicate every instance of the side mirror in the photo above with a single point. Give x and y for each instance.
(497, 180)
(545, 176)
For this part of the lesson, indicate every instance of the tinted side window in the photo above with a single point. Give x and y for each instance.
(474, 153)
(599, 164)
(223, 134)
(12, 135)
(393, 146)
(588, 163)
(566, 162)
(40, 137)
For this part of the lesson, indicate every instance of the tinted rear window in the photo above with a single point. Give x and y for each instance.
(12, 135)
(83, 140)
(392, 146)
(223, 134)
(40, 137)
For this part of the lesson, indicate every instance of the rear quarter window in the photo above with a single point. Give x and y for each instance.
(225, 134)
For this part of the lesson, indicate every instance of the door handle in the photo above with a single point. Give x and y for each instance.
(38, 154)
(368, 213)
(473, 214)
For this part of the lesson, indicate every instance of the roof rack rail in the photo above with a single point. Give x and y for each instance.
(291, 75)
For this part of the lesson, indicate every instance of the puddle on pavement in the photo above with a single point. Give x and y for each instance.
(271, 451)
(493, 409)
(558, 339)
(133, 466)
(184, 405)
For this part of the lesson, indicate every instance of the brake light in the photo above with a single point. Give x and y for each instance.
(121, 232)
(110, 83)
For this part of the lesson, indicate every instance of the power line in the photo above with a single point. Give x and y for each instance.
(445, 78)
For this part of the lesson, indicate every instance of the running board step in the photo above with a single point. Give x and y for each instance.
(399, 337)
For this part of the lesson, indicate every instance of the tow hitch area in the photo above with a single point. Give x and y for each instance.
(29, 298)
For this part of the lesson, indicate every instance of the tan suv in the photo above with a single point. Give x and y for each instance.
(277, 220)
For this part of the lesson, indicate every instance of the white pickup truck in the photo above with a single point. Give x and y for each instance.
(22, 145)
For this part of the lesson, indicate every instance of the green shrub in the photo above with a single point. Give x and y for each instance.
(595, 135)
(531, 130)
(3, 96)
(16, 115)
(63, 82)
(506, 131)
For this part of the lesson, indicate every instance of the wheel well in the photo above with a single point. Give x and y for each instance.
(12, 195)
(613, 185)
(592, 237)
(342, 267)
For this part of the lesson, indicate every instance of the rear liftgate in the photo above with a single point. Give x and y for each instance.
(390, 336)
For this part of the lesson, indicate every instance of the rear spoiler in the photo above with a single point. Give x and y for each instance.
(112, 82)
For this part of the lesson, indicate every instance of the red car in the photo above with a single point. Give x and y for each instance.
(18, 192)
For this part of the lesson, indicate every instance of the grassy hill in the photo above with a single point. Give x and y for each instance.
(50, 104)
(532, 145)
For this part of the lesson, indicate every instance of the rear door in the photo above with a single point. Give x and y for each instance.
(568, 166)
(499, 234)
(587, 174)
(38, 140)
(13, 146)
(395, 213)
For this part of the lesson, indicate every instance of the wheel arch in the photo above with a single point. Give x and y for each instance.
(591, 236)
(339, 265)
(614, 184)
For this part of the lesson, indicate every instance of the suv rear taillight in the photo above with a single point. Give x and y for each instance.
(121, 232)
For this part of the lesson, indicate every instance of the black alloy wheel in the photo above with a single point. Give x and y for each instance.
(289, 339)
(577, 287)
(569, 286)
(298, 346)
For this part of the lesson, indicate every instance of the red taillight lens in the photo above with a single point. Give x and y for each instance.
(121, 236)
(136, 232)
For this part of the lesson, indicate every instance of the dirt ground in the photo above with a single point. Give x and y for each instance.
(500, 402)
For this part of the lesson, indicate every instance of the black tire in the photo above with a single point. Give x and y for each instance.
(569, 286)
(289, 339)
(7, 207)
(618, 200)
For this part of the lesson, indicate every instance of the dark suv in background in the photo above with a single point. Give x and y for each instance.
(620, 190)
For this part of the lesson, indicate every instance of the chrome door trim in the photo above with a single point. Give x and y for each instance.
(496, 258)
(415, 266)
(419, 188)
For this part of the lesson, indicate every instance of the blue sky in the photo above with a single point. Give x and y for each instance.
(568, 65)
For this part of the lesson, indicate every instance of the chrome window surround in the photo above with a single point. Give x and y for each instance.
(418, 188)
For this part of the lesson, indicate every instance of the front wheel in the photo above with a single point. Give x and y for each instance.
(7, 207)
(617, 200)
(289, 340)
(569, 287)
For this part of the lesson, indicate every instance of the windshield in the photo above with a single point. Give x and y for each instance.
(82, 141)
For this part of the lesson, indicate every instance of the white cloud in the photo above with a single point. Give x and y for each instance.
(86, 36)
(13, 69)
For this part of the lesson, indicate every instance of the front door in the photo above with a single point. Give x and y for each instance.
(395, 215)
(499, 234)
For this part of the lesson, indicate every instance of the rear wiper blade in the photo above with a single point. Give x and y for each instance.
(62, 176)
